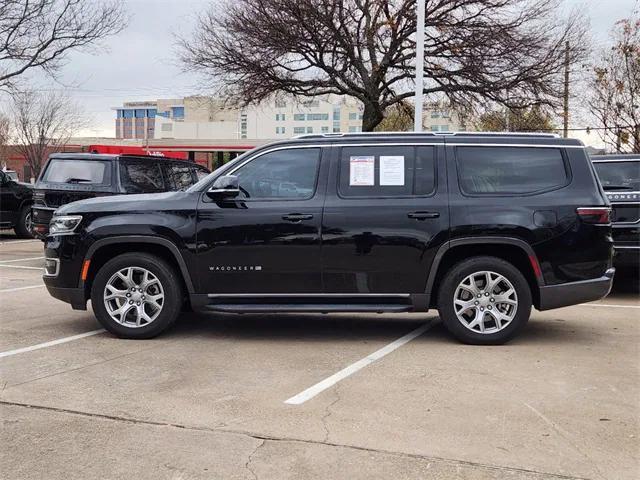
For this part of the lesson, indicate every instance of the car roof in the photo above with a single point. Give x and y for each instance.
(616, 157)
(472, 138)
(115, 156)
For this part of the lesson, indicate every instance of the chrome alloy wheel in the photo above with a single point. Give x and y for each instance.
(133, 297)
(485, 302)
(28, 223)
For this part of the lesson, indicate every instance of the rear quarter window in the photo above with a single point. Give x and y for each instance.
(82, 172)
(510, 170)
(141, 176)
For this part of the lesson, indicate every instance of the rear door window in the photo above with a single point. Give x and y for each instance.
(141, 176)
(84, 172)
(387, 171)
(510, 170)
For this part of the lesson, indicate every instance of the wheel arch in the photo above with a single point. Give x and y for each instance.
(104, 249)
(513, 250)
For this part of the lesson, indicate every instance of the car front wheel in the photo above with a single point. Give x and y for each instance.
(484, 301)
(23, 225)
(136, 295)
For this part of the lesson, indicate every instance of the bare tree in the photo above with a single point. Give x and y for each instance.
(615, 99)
(37, 34)
(43, 125)
(534, 119)
(4, 138)
(507, 51)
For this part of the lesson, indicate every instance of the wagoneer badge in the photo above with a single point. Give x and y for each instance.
(235, 268)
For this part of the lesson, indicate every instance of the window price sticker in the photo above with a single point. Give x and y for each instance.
(362, 171)
(392, 170)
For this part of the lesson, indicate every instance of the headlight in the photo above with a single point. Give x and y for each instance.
(64, 224)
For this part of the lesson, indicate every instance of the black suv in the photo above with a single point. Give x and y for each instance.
(15, 205)
(620, 178)
(68, 177)
(478, 226)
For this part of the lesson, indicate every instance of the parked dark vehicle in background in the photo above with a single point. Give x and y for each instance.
(68, 177)
(15, 205)
(479, 226)
(620, 178)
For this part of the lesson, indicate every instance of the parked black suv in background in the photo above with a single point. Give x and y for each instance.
(479, 226)
(68, 177)
(620, 178)
(15, 205)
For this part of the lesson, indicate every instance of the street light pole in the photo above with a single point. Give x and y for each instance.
(419, 97)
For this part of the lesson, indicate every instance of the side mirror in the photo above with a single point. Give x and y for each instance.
(224, 187)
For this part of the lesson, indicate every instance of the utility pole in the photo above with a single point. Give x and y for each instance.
(565, 114)
(419, 97)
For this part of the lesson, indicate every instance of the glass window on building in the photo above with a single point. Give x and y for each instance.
(325, 129)
(120, 113)
(353, 115)
(435, 114)
(317, 116)
(298, 130)
(177, 112)
(280, 104)
(354, 129)
(140, 113)
(444, 128)
(280, 117)
(151, 113)
(127, 113)
(336, 112)
(299, 117)
(309, 129)
(435, 128)
(336, 127)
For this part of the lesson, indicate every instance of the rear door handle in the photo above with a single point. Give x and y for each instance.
(423, 215)
(297, 217)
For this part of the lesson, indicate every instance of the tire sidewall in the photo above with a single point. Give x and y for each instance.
(20, 227)
(461, 271)
(170, 285)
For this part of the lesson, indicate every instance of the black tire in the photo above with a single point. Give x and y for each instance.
(460, 272)
(22, 226)
(168, 278)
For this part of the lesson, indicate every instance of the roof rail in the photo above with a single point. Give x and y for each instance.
(435, 134)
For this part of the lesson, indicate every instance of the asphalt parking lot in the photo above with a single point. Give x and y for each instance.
(300, 396)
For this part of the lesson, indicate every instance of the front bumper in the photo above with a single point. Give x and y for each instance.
(572, 293)
(73, 296)
(41, 217)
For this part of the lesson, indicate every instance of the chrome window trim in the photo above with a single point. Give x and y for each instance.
(616, 160)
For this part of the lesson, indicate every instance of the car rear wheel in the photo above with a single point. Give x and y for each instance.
(23, 225)
(484, 301)
(136, 295)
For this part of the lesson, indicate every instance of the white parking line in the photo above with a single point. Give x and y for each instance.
(608, 305)
(21, 266)
(19, 241)
(8, 353)
(319, 387)
(17, 289)
(20, 260)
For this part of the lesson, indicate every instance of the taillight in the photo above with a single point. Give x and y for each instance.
(595, 215)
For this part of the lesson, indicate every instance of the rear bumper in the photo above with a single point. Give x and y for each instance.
(73, 296)
(572, 293)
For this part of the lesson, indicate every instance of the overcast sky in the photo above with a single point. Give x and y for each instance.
(140, 63)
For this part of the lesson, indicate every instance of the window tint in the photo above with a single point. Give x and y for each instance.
(84, 172)
(201, 173)
(141, 177)
(179, 176)
(387, 171)
(515, 170)
(283, 174)
(622, 176)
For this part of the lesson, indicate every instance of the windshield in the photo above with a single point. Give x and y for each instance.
(623, 176)
(81, 172)
(206, 180)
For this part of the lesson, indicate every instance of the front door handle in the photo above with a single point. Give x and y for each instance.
(297, 217)
(423, 215)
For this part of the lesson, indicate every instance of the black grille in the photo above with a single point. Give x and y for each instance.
(625, 213)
